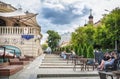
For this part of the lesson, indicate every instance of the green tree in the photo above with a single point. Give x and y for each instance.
(53, 39)
(82, 38)
(90, 53)
(112, 23)
(44, 46)
(89, 33)
(102, 38)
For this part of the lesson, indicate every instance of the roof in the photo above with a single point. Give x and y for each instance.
(4, 7)
(23, 17)
(12, 14)
(90, 16)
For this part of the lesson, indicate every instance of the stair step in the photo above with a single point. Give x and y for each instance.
(69, 78)
(56, 64)
(54, 67)
(66, 75)
(53, 60)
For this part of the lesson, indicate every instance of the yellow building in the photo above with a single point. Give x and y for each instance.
(19, 30)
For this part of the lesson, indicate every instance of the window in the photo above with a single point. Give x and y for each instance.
(2, 22)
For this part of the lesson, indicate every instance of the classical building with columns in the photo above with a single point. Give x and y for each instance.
(19, 30)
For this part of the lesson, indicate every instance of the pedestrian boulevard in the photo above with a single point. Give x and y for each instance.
(51, 66)
(54, 67)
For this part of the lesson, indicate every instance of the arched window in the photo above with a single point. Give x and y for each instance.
(2, 22)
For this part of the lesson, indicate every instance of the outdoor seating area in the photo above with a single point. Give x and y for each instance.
(7, 70)
(112, 70)
(85, 63)
(11, 64)
(53, 66)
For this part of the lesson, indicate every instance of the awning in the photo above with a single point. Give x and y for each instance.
(6, 53)
(13, 14)
(23, 17)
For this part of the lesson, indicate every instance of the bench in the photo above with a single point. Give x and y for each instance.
(31, 58)
(16, 61)
(25, 59)
(104, 74)
(117, 73)
(7, 70)
(27, 56)
(111, 70)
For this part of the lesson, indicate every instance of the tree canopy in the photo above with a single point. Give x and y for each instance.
(53, 39)
(102, 36)
(112, 23)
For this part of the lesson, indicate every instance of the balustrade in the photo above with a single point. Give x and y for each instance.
(18, 30)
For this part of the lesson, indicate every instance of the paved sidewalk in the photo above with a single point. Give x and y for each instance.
(40, 69)
(30, 72)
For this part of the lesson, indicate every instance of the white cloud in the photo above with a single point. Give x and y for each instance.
(31, 5)
(54, 6)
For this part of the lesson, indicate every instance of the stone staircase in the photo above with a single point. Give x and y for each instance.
(54, 67)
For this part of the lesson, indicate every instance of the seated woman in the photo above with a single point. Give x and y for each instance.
(111, 61)
(63, 54)
(107, 60)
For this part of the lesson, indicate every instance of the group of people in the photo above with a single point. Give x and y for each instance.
(108, 59)
(64, 56)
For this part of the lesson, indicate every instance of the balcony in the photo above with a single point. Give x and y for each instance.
(18, 30)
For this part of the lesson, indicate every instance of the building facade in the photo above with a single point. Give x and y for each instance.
(19, 30)
(65, 39)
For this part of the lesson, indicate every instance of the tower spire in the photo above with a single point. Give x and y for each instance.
(90, 17)
(90, 14)
(90, 11)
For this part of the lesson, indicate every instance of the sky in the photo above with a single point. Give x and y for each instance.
(64, 16)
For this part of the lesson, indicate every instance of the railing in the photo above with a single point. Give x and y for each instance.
(18, 30)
